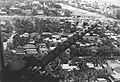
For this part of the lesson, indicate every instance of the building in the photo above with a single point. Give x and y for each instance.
(40, 12)
(30, 49)
(115, 78)
(52, 45)
(91, 38)
(90, 65)
(43, 48)
(20, 51)
(3, 13)
(101, 80)
(67, 67)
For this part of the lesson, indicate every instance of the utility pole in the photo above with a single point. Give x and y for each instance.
(1, 52)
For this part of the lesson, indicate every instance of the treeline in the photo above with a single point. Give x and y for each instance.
(39, 25)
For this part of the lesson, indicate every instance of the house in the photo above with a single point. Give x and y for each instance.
(70, 35)
(2, 22)
(91, 38)
(35, 3)
(3, 13)
(59, 41)
(93, 48)
(32, 41)
(14, 8)
(115, 77)
(43, 48)
(56, 36)
(30, 49)
(40, 12)
(67, 67)
(90, 65)
(63, 39)
(20, 51)
(46, 39)
(27, 11)
(46, 34)
(52, 45)
(101, 80)
(25, 35)
(4, 45)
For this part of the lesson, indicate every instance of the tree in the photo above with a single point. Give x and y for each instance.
(10, 55)
(10, 45)
(81, 51)
(8, 26)
(82, 65)
(102, 73)
(16, 40)
(104, 51)
(67, 13)
(116, 52)
(57, 6)
(64, 58)
(23, 26)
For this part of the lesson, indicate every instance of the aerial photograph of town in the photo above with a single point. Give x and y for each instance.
(59, 40)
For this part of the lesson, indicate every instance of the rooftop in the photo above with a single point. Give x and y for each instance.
(29, 46)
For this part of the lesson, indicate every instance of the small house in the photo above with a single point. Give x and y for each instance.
(20, 51)
(30, 49)
(43, 48)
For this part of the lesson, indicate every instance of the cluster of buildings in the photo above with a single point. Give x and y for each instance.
(49, 41)
(28, 8)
